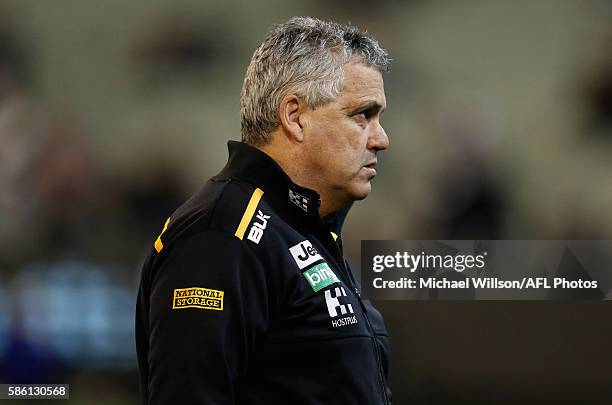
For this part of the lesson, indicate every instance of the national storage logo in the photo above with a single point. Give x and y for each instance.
(320, 276)
(198, 297)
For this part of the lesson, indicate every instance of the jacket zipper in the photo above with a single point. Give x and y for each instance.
(353, 285)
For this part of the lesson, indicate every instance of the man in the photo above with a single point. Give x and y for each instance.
(246, 297)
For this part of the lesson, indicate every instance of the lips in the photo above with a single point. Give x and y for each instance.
(371, 167)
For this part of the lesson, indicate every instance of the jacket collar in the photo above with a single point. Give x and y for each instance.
(252, 165)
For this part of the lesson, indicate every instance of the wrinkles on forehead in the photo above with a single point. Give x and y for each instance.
(362, 89)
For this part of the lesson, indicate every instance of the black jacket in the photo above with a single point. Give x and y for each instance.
(247, 298)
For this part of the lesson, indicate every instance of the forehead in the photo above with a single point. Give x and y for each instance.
(361, 83)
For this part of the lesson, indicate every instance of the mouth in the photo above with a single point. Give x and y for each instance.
(371, 167)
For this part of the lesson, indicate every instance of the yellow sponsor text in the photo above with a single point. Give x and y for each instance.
(198, 297)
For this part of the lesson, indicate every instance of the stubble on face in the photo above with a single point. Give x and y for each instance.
(343, 137)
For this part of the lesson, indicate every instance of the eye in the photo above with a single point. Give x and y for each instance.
(360, 118)
(366, 115)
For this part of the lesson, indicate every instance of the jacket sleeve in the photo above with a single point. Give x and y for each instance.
(200, 342)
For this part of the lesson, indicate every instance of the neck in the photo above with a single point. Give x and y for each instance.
(293, 162)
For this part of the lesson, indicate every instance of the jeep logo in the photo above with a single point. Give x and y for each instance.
(304, 254)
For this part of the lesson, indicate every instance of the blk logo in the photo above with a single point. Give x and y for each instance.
(333, 302)
(257, 229)
(304, 254)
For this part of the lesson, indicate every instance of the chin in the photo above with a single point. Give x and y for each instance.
(361, 191)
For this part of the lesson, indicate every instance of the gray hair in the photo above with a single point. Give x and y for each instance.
(303, 56)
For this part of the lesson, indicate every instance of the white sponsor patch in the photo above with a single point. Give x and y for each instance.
(334, 306)
(304, 254)
(257, 229)
(299, 200)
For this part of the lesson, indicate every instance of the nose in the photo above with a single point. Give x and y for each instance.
(378, 139)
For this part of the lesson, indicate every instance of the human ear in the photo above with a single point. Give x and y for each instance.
(289, 111)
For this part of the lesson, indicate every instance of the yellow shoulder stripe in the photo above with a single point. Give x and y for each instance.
(334, 235)
(248, 213)
(158, 243)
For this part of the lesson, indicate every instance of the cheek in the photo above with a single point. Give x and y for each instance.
(338, 148)
(345, 161)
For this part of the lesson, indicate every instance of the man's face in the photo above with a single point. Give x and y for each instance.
(343, 137)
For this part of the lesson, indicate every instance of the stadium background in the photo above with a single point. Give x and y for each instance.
(112, 113)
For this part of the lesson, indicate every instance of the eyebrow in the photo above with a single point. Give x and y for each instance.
(368, 105)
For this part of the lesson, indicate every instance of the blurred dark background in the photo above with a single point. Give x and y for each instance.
(112, 113)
